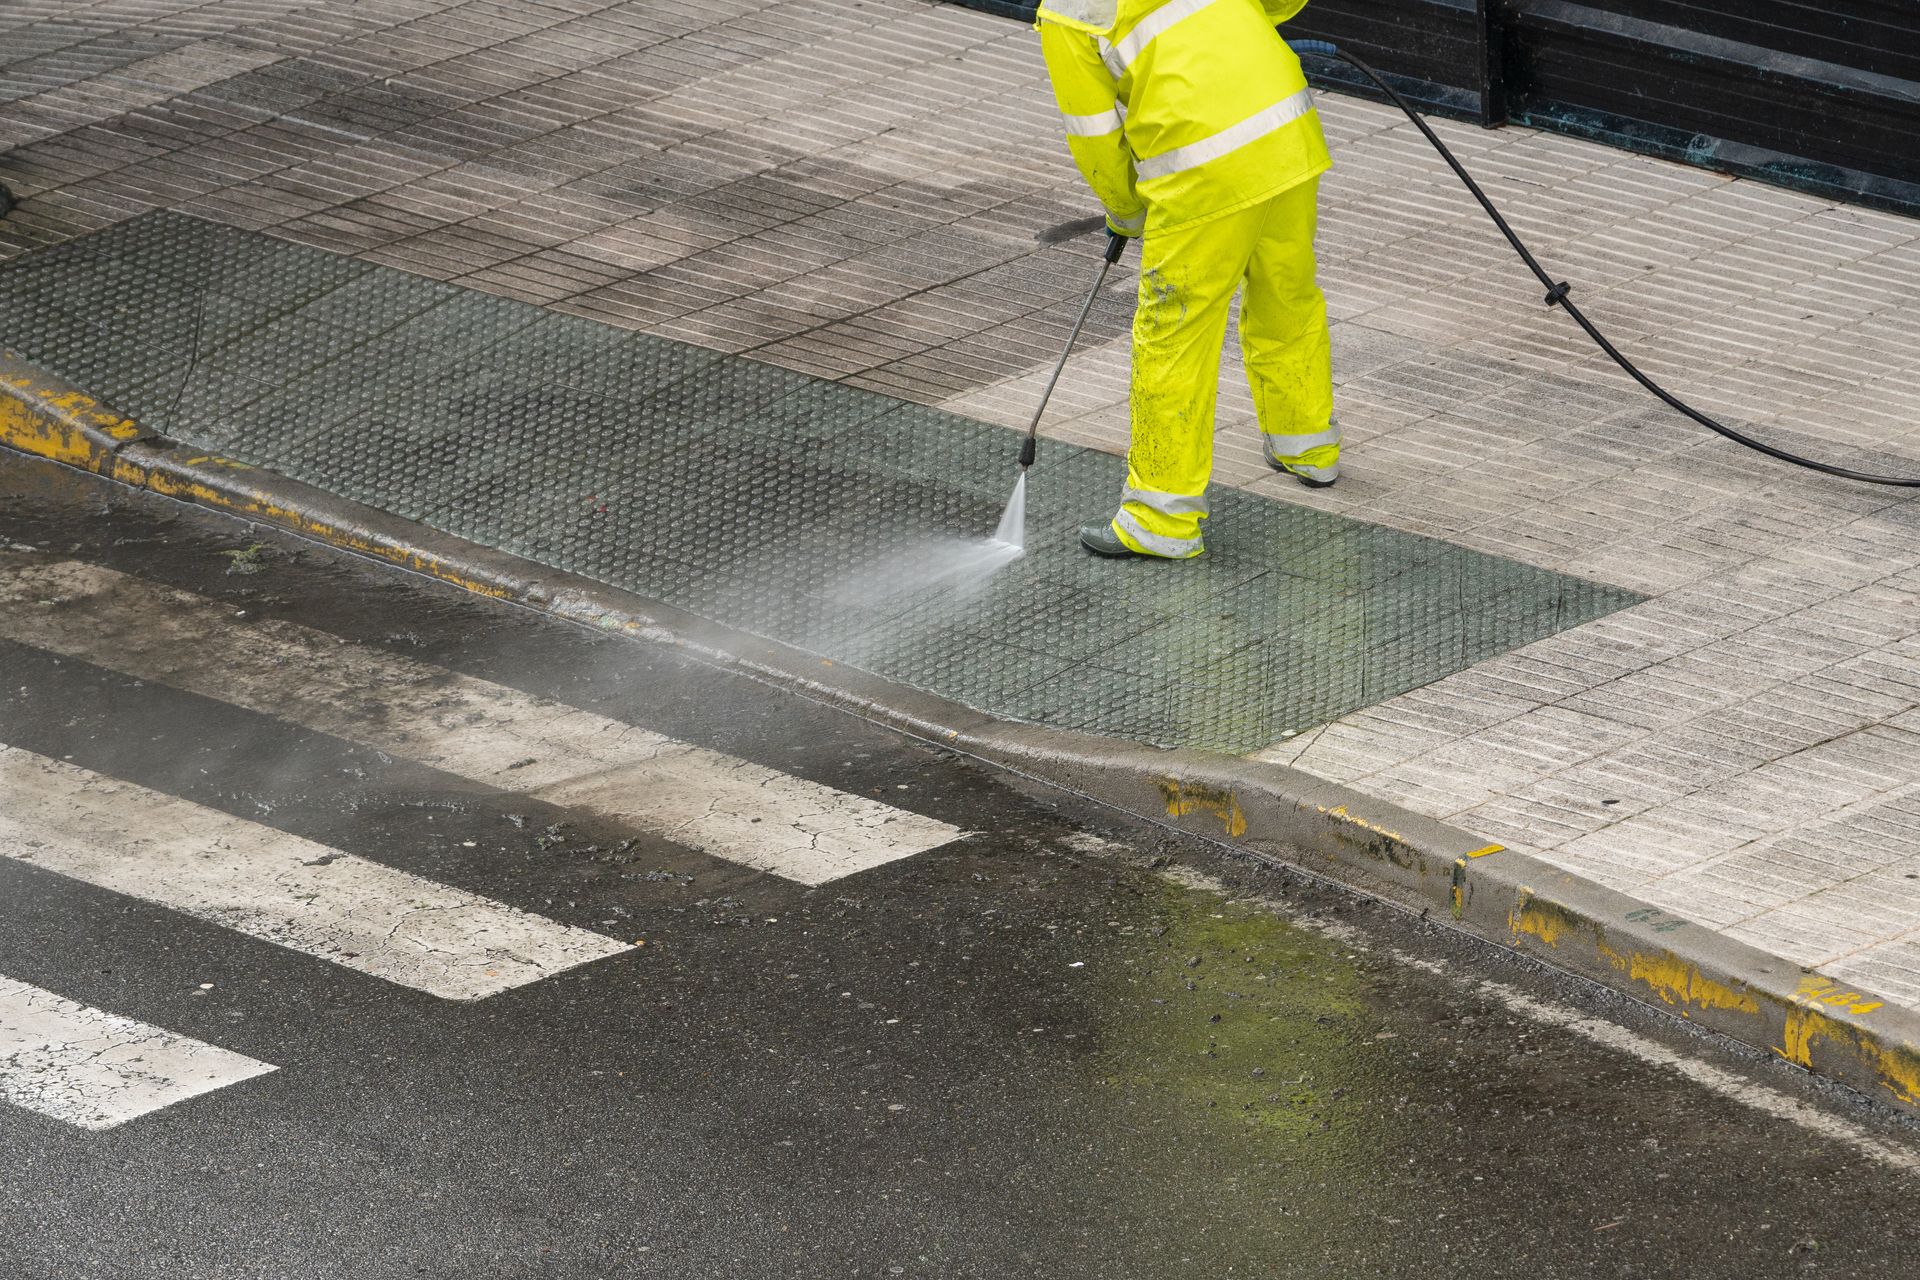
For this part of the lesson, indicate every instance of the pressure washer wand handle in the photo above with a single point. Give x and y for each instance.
(1116, 247)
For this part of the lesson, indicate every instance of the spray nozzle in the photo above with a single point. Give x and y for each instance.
(1026, 452)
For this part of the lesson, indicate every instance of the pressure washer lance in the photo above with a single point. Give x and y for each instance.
(1557, 292)
(1116, 247)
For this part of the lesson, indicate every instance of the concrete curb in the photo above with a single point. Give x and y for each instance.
(1268, 811)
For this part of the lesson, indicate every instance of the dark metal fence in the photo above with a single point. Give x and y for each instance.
(1823, 95)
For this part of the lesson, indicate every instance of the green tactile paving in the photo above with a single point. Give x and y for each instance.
(788, 506)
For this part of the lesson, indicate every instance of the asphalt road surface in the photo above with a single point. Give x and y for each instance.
(351, 926)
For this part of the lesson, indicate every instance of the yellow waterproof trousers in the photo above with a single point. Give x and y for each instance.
(1188, 278)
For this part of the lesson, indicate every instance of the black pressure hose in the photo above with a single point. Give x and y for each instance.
(1557, 292)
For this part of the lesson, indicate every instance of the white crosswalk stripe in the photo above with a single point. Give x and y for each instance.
(96, 1069)
(277, 887)
(722, 805)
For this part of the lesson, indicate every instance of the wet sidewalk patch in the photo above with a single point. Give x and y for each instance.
(799, 509)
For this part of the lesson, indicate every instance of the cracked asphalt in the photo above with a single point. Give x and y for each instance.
(1061, 1044)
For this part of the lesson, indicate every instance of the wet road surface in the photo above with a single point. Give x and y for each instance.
(1055, 1044)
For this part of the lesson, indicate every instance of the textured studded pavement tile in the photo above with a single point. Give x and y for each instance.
(818, 514)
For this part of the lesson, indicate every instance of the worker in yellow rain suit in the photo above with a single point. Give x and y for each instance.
(1193, 123)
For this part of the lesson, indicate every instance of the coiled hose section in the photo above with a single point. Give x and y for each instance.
(1557, 291)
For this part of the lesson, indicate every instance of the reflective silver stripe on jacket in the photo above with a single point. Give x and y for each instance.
(1134, 225)
(1097, 125)
(1168, 504)
(1280, 447)
(1252, 129)
(1157, 544)
(1119, 57)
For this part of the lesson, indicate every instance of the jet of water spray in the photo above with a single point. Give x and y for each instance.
(945, 564)
(1013, 522)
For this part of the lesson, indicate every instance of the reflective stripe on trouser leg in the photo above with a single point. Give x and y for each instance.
(1136, 533)
(1283, 337)
(1188, 277)
(1130, 531)
(1314, 454)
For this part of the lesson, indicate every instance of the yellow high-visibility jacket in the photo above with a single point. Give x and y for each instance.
(1181, 110)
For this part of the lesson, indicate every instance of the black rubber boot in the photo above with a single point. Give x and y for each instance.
(1306, 480)
(1103, 541)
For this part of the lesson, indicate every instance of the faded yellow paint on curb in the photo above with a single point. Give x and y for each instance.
(1823, 1012)
(1457, 886)
(1676, 981)
(1183, 799)
(1339, 812)
(262, 504)
(45, 418)
(1546, 921)
(61, 424)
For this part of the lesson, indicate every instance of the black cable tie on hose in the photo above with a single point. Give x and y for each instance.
(1558, 294)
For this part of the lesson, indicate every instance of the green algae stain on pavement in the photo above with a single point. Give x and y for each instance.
(803, 510)
(1244, 1070)
(1249, 1023)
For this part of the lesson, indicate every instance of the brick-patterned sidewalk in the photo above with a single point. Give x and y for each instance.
(851, 187)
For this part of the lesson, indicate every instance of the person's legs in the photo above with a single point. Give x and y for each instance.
(1283, 335)
(1187, 281)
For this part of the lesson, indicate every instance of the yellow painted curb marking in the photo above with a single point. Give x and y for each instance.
(1809, 1023)
(1186, 798)
(1678, 982)
(1340, 811)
